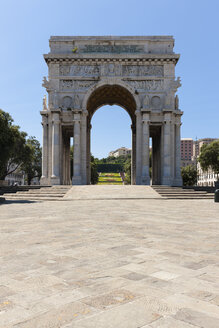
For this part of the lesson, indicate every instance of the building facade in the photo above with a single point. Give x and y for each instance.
(136, 73)
(186, 151)
(123, 151)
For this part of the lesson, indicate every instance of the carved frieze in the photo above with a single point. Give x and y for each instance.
(79, 70)
(150, 85)
(112, 69)
(146, 70)
(66, 85)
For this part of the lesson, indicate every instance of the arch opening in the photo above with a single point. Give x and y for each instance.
(112, 95)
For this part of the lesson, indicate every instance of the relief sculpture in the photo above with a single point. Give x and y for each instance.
(79, 70)
(66, 85)
(151, 85)
(146, 70)
(112, 70)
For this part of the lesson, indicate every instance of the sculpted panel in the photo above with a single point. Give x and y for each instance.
(79, 70)
(150, 85)
(156, 102)
(66, 85)
(147, 70)
(66, 102)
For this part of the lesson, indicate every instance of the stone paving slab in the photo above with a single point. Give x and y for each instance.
(111, 192)
(114, 263)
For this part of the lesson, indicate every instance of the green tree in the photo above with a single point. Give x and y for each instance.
(94, 173)
(189, 175)
(127, 168)
(209, 157)
(32, 164)
(13, 149)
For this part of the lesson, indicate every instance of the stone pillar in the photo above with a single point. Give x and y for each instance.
(84, 147)
(55, 178)
(89, 127)
(178, 177)
(44, 177)
(76, 180)
(145, 150)
(138, 147)
(133, 156)
(166, 179)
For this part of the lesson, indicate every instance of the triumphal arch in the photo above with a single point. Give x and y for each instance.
(134, 72)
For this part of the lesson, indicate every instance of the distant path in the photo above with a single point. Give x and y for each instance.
(111, 192)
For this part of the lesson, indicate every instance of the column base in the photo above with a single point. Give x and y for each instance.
(55, 181)
(76, 181)
(167, 181)
(145, 181)
(177, 182)
(44, 181)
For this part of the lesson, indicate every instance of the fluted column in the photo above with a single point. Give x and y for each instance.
(138, 147)
(55, 178)
(133, 156)
(145, 150)
(45, 151)
(76, 180)
(178, 178)
(166, 180)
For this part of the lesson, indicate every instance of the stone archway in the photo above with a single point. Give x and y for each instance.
(111, 94)
(136, 73)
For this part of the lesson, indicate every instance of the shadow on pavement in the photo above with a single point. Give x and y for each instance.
(16, 201)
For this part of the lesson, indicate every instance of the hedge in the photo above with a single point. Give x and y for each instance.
(110, 168)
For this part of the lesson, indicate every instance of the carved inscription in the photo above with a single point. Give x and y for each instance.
(66, 85)
(79, 70)
(151, 85)
(147, 70)
(112, 49)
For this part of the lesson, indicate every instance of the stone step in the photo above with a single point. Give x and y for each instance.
(37, 195)
(32, 199)
(180, 193)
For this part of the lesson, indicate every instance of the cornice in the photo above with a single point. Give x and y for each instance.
(101, 58)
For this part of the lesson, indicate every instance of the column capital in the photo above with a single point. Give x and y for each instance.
(56, 121)
(137, 112)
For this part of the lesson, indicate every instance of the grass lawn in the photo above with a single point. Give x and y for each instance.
(110, 178)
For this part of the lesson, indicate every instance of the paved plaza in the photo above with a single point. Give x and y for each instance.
(109, 257)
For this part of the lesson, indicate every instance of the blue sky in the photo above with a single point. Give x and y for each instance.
(25, 27)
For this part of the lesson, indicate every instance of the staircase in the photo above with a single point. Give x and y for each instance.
(180, 193)
(43, 194)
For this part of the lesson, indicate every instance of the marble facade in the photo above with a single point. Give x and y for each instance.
(136, 73)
